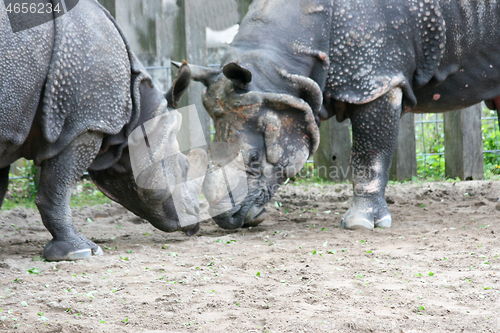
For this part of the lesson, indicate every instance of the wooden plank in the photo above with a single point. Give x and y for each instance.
(148, 27)
(404, 161)
(191, 44)
(243, 8)
(331, 160)
(17, 166)
(463, 144)
(110, 5)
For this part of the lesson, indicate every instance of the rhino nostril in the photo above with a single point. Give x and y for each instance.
(334, 158)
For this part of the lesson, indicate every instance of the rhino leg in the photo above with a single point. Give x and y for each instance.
(375, 130)
(4, 183)
(57, 179)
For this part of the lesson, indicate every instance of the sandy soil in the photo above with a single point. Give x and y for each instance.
(438, 266)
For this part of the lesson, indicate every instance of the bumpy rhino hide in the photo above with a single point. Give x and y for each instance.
(93, 83)
(370, 53)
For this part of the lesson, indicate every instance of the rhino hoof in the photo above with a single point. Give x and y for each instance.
(256, 220)
(193, 231)
(61, 251)
(384, 222)
(356, 223)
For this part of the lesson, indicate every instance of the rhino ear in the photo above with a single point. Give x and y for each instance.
(240, 76)
(179, 86)
(201, 74)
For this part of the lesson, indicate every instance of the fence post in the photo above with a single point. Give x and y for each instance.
(463, 144)
(191, 45)
(404, 161)
(332, 157)
(243, 8)
(110, 5)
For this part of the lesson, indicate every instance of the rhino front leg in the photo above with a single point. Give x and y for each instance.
(4, 183)
(57, 179)
(375, 130)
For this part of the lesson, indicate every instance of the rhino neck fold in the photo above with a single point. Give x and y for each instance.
(278, 36)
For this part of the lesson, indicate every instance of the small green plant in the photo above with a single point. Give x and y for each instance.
(35, 271)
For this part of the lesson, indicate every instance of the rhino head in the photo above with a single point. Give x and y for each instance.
(145, 191)
(274, 130)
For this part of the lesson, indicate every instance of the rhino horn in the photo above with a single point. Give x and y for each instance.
(310, 105)
(270, 125)
(201, 74)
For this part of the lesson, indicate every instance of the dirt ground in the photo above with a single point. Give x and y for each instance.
(436, 269)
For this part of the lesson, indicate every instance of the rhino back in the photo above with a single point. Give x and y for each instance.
(470, 69)
(24, 64)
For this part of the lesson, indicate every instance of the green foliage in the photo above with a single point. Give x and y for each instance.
(429, 139)
(309, 175)
(9, 204)
(491, 141)
(23, 185)
(23, 189)
(89, 199)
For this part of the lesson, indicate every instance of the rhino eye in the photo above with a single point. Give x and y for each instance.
(254, 157)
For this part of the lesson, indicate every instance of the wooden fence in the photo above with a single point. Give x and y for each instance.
(463, 147)
(159, 31)
(162, 30)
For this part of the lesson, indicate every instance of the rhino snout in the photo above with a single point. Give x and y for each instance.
(153, 197)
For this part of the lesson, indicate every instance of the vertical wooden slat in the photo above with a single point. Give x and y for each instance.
(110, 5)
(463, 144)
(191, 45)
(243, 8)
(404, 161)
(332, 157)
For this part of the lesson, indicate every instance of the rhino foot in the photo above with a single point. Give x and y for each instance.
(385, 222)
(256, 220)
(367, 213)
(356, 222)
(68, 250)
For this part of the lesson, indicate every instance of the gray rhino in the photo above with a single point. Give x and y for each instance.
(71, 93)
(296, 63)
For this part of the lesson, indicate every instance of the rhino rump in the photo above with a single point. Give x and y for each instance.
(88, 86)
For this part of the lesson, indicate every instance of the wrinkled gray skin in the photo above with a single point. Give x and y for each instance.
(370, 61)
(71, 93)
